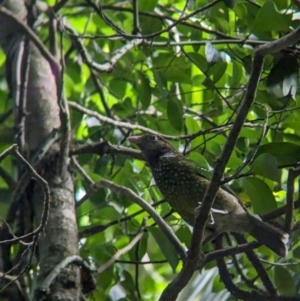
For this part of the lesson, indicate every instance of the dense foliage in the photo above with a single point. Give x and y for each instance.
(179, 68)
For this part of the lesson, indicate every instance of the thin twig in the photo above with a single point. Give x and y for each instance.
(120, 252)
(45, 188)
(99, 228)
(157, 33)
(82, 171)
(293, 173)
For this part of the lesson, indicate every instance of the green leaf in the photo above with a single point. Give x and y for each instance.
(237, 74)
(266, 165)
(296, 252)
(143, 244)
(128, 281)
(144, 90)
(191, 124)
(147, 5)
(196, 35)
(262, 199)
(117, 87)
(217, 71)
(166, 247)
(269, 19)
(284, 152)
(156, 24)
(284, 281)
(174, 112)
(198, 60)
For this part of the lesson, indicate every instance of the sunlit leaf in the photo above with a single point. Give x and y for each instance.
(268, 18)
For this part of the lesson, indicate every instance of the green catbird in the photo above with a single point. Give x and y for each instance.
(183, 187)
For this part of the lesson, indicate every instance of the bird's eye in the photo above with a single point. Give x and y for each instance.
(153, 137)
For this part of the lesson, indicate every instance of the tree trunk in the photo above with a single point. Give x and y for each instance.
(35, 123)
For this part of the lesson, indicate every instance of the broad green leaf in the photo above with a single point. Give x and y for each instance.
(237, 74)
(217, 71)
(196, 35)
(242, 144)
(174, 111)
(221, 24)
(284, 281)
(144, 89)
(266, 166)
(296, 253)
(261, 196)
(284, 152)
(143, 244)
(191, 124)
(166, 247)
(198, 60)
(156, 25)
(124, 109)
(127, 281)
(118, 87)
(269, 19)
(147, 5)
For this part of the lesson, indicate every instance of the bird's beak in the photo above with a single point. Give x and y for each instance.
(134, 139)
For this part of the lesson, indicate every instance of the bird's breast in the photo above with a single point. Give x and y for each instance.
(182, 189)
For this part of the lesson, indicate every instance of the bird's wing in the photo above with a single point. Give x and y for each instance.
(204, 172)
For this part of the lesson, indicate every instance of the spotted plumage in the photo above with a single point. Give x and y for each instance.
(183, 187)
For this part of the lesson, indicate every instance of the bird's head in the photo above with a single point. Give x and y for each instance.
(153, 146)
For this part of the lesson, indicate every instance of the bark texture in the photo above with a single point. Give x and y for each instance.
(41, 117)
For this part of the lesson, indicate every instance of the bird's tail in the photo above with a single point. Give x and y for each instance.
(274, 238)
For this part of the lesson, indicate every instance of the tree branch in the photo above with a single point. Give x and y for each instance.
(148, 208)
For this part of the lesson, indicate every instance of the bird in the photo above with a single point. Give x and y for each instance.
(183, 186)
